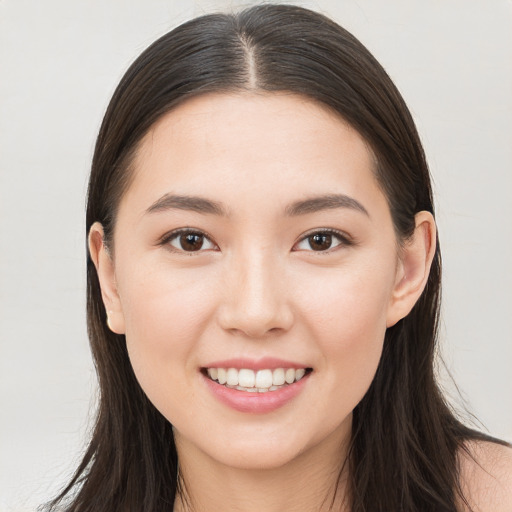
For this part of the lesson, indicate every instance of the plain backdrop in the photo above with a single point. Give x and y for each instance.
(60, 61)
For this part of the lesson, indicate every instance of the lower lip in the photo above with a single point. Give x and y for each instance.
(256, 403)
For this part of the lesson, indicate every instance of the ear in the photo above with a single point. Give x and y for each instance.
(105, 268)
(414, 268)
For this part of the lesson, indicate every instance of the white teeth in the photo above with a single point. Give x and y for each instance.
(299, 373)
(232, 376)
(289, 376)
(263, 379)
(221, 375)
(277, 377)
(260, 381)
(246, 378)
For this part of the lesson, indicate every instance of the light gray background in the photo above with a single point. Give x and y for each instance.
(59, 63)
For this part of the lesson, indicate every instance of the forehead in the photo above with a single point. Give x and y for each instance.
(235, 144)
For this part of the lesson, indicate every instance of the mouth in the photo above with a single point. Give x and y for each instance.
(256, 381)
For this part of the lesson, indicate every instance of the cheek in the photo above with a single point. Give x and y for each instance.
(169, 304)
(348, 320)
(165, 316)
(348, 304)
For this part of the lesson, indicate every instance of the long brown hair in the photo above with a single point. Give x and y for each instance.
(405, 438)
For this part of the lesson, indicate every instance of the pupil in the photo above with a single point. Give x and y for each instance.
(191, 242)
(320, 242)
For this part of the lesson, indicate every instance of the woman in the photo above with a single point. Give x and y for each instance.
(263, 285)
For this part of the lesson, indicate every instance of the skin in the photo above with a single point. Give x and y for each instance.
(256, 288)
(486, 476)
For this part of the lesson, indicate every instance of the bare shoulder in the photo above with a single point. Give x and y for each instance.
(486, 476)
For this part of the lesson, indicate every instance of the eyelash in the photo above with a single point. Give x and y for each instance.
(174, 235)
(343, 240)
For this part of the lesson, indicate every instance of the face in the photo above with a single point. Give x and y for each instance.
(254, 248)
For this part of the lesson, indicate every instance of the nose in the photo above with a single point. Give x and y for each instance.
(256, 298)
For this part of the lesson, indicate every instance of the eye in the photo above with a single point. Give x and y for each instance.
(189, 241)
(322, 241)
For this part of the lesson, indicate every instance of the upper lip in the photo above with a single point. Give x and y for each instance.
(270, 363)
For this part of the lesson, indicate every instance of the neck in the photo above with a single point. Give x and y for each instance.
(315, 481)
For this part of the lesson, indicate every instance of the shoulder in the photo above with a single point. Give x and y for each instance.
(486, 476)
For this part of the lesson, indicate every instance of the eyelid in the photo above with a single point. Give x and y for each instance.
(345, 239)
(166, 239)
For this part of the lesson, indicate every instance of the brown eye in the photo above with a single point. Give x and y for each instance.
(190, 241)
(320, 241)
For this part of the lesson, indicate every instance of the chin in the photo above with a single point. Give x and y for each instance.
(254, 447)
(258, 457)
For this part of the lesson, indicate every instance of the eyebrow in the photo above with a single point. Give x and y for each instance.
(301, 207)
(325, 202)
(192, 203)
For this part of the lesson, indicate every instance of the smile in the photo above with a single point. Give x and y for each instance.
(256, 381)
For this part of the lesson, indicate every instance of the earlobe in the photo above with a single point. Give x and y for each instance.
(414, 269)
(105, 269)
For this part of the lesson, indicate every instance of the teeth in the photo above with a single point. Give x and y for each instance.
(246, 378)
(264, 379)
(289, 376)
(278, 377)
(221, 376)
(232, 377)
(260, 381)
